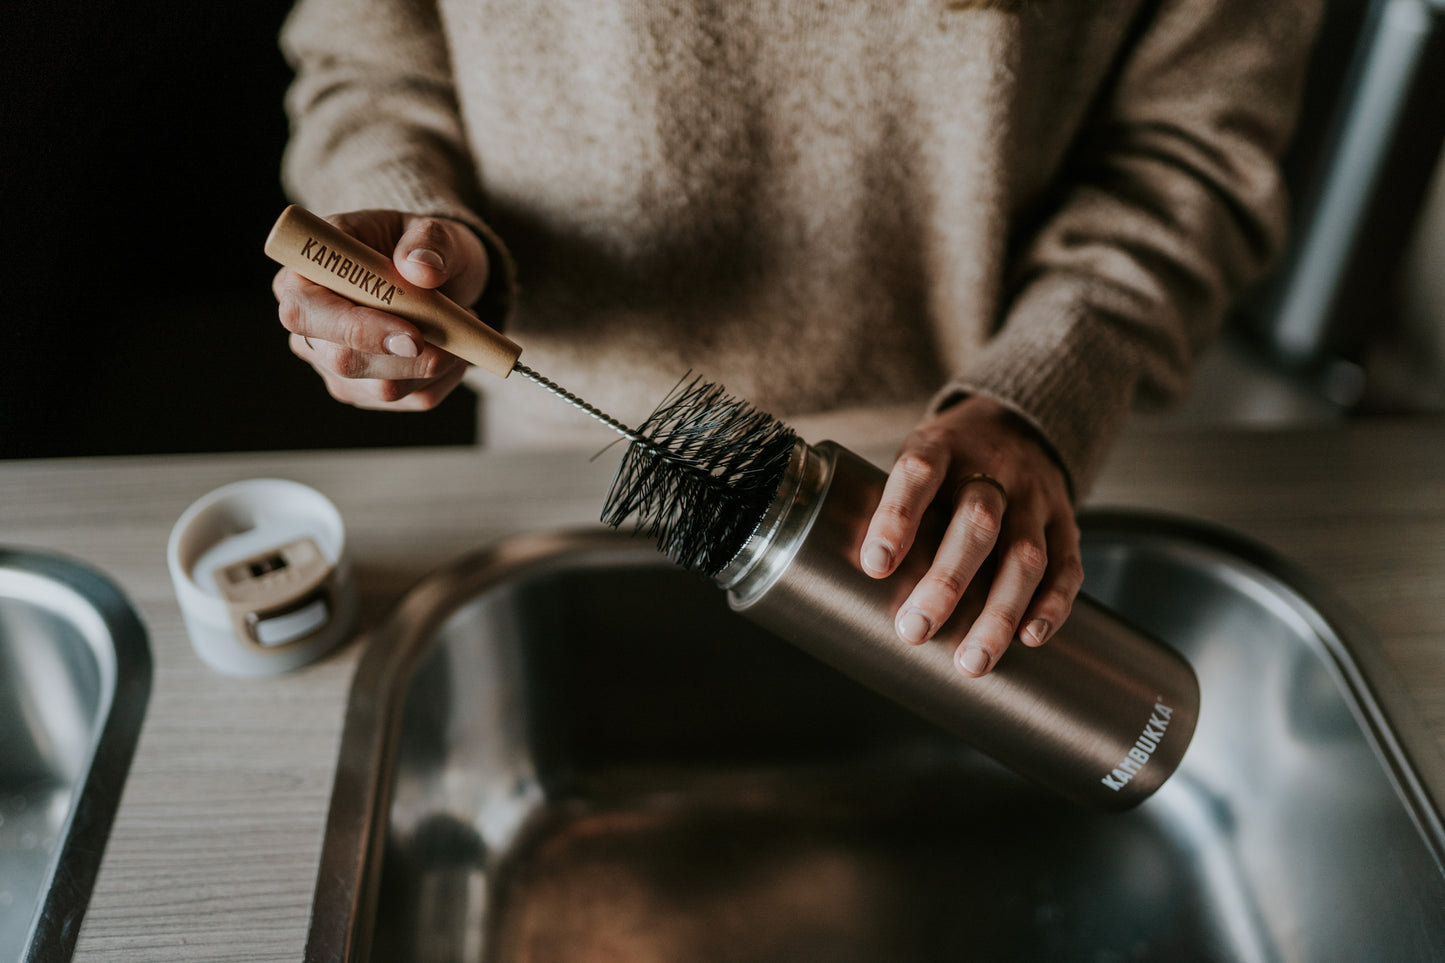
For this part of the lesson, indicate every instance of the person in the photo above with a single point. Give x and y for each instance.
(1026, 217)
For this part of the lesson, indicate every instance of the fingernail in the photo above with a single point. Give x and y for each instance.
(914, 626)
(428, 257)
(1036, 632)
(402, 346)
(877, 558)
(973, 660)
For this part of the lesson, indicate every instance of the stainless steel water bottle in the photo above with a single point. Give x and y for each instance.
(1102, 713)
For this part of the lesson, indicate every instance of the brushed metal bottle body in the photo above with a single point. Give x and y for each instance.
(1101, 714)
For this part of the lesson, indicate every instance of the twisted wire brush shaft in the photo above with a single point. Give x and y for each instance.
(698, 473)
(577, 402)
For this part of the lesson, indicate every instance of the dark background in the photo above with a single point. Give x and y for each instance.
(140, 149)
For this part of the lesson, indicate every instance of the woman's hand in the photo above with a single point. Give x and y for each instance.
(369, 358)
(973, 453)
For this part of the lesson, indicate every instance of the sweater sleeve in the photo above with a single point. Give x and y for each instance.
(1170, 204)
(374, 117)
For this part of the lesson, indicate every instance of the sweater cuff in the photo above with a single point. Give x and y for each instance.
(1064, 372)
(494, 305)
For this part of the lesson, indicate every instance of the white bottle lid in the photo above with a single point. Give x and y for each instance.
(262, 576)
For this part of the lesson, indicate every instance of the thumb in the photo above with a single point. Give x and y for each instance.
(439, 253)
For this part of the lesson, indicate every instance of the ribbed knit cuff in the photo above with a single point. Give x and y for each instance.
(1067, 374)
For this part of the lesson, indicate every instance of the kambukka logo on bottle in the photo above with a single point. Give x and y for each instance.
(1143, 748)
(348, 270)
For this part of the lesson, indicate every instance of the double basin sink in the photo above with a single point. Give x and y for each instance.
(563, 749)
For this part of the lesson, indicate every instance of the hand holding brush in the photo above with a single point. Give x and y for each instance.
(698, 473)
(371, 356)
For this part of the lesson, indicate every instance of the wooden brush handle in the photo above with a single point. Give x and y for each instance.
(324, 254)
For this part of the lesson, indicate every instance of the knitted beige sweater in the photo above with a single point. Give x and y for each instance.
(823, 203)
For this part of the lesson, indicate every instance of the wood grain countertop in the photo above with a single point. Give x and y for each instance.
(214, 851)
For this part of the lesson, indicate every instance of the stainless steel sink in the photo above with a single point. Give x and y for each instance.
(562, 749)
(75, 672)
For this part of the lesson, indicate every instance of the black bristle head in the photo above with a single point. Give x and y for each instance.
(701, 478)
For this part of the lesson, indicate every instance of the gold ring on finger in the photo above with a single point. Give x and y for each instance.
(984, 477)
